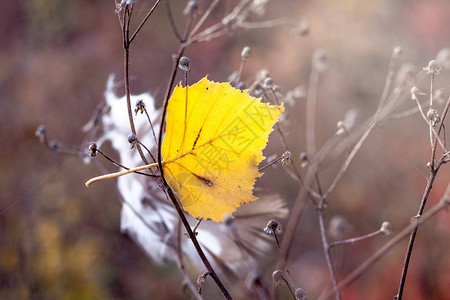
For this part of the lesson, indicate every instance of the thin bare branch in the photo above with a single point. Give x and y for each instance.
(180, 264)
(311, 103)
(423, 202)
(443, 205)
(133, 36)
(389, 78)
(172, 21)
(441, 126)
(203, 18)
(436, 135)
(326, 250)
(356, 239)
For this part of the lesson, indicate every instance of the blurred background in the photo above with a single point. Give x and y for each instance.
(59, 240)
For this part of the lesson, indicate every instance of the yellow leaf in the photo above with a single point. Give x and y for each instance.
(213, 144)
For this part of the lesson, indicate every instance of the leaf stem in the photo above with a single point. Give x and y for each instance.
(120, 165)
(120, 173)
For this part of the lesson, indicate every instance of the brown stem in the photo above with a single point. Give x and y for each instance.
(326, 250)
(354, 240)
(430, 124)
(389, 79)
(241, 68)
(181, 265)
(297, 174)
(285, 155)
(146, 149)
(422, 113)
(289, 283)
(202, 19)
(195, 242)
(151, 127)
(323, 234)
(126, 45)
(295, 215)
(169, 190)
(311, 102)
(172, 21)
(306, 191)
(441, 126)
(414, 232)
(445, 202)
(133, 36)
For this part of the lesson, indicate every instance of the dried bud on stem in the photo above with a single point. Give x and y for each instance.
(433, 116)
(338, 227)
(191, 7)
(277, 277)
(433, 68)
(201, 280)
(320, 61)
(246, 53)
(268, 83)
(241, 85)
(302, 28)
(184, 64)
(286, 158)
(229, 223)
(398, 50)
(414, 93)
(340, 128)
(258, 89)
(132, 140)
(386, 228)
(300, 294)
(350, 121)
(272, 228)
(53, 145)
(304, 159)
(92, 149)
(262, 74)
(253, 280)
(41, 132)
(140, 106)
